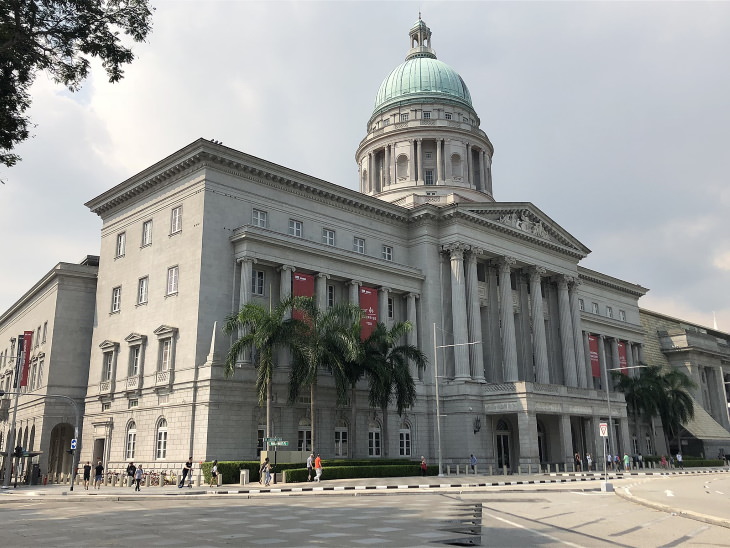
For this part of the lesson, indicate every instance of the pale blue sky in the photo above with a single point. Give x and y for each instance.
(611, 117)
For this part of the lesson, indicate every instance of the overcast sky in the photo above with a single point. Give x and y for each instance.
(610, 117)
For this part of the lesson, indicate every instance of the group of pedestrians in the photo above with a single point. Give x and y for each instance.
(578, 462)
(314, 463)
(134, 473)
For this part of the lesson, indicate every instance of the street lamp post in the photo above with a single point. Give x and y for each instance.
(74, 458)
(436, 384)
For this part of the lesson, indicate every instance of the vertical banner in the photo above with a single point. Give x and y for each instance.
(302, 286)
(369, 306)
(623, 364)
(28, 336)
(593, 350)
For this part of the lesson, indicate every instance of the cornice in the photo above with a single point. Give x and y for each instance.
(597, 278)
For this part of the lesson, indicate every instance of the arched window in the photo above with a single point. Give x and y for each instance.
(341, 435)
(401, 167)
(456, 165)
(304, 437)
(161, 450)
(373, 439)
(404, 440)
(131, 440)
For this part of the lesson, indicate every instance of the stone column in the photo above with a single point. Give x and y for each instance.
(509, 343)
(473, 316)
(468, 165)
(587, 354)
(354, 292)
(630, 362)
(538, 325)
(439, 161)
(412, 337)
(449, 172)
(580, 357)
(420, 161)
(383, 294)
(488, 173)
(623, 432)
(458, 311)
(493, 348)
(321, 290)
(244, 297)
(481, 170)
(412, 162)
(566, 441)
(615, 363)
(566, 332)
(387, 164)
(527, 432)
(370, 173)
(284, 293)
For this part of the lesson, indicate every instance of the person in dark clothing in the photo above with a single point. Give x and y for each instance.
(87, 475)
(131, 469)
(187, 470)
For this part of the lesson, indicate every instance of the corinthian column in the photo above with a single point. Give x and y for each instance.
(566, 332)
(581, 365)
(321, 290)
(420, 161)
(439, 161)
(412, 337)
(383, 295)
(387, 165)
(458, 311)
(509, 342)
(538, 325)
(474, 318)
(354, 292)
(244, 297)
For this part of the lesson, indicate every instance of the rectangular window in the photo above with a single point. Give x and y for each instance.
(330, 296)
(131, 404)
(259, 218)
(39, 381)
(430, 194)
(173, 274)
(161, 443)
(176, 220)
(33, 373)
(38, 336)
(387, 253)
(165, 355)
(404, 443)
(328, 236)
(374, 443)
(404, 117)
(45, 330)
(135, 355)
(358, 245)
(428, 155)
(609, 312)
(429, 176)
(142, 290)
(391, 307)
(106, 406)
(304, 440)
(260, 441)
(106, 370)
(426, 115)
(146, 233)
(116, 299)
(622, 315)
(131, 441)
(296, 228)
(121, 244)
(340, 442)
(257, 282)
(581, 305)
(447, 116)
(594, 308)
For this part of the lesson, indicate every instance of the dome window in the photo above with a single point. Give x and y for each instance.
(404, 117)
(456, 165)
(401, 167)
(448, 115)
(426, 115)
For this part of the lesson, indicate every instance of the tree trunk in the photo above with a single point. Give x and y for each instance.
(311, 415)
(268, 412)
(386, 450)
(353, 421)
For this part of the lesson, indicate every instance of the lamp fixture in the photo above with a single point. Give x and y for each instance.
(477, 424)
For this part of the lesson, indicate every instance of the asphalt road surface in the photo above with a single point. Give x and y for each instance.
(486, 517)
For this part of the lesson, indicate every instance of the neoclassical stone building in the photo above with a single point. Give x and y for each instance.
(521, 334)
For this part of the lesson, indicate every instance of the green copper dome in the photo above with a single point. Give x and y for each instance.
(422, 76)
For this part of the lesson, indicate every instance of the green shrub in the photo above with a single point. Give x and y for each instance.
(361, 471)
(697, 462)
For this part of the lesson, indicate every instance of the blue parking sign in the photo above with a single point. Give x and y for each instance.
(73, 443)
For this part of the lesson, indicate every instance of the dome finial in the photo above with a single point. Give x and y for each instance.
(420, 36)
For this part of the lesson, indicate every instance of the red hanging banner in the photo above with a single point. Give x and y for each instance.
(623, 364)
(27, 340)
(593, 349)
(302, 286)
(369, 306)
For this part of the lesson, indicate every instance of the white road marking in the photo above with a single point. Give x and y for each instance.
(719, 492)
(669, 493)
(539, 533)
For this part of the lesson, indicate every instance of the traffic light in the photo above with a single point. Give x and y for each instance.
(18, 451)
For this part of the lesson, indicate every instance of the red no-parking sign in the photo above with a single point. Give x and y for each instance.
(603, 429)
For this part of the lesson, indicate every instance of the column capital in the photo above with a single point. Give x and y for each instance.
(563, 280)
(286, 267)
(323, 275)
(354, 282)
(411, 295)
(242, 260)
(536, 270)
(505, 262)
(575, 282)
(455, 248)
(384, 289)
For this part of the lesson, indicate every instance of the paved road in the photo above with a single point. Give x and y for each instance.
(547, 515)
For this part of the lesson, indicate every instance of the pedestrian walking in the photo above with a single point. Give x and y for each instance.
(424, 466)
(131, 471)
(317, 468)
(265, 472)
(589, 462)
(679, 461)
(616, 463)
(627, 462)
(214, 474)
(473, 463)
(87, 475)
(664, 461)
(138, 473)
(577, 462)
(310, 466)
(609, 462)
(187, 471)
(98, 475)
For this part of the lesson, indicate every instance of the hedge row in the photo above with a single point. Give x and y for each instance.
(361, 471)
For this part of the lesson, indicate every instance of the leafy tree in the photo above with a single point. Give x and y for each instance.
(59, 37)
(262, 332)
(390, 375)
(677, 406)
(325, 339)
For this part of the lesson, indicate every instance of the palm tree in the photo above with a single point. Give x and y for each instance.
(324, 339)
(390, 375)
(677, 406)
(263, 333)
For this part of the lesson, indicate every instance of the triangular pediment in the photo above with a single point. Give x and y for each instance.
(165, 331)
(135, 338)
(108, 345)
(525, 220)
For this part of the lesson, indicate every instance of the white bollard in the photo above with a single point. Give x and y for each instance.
(244, 479)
